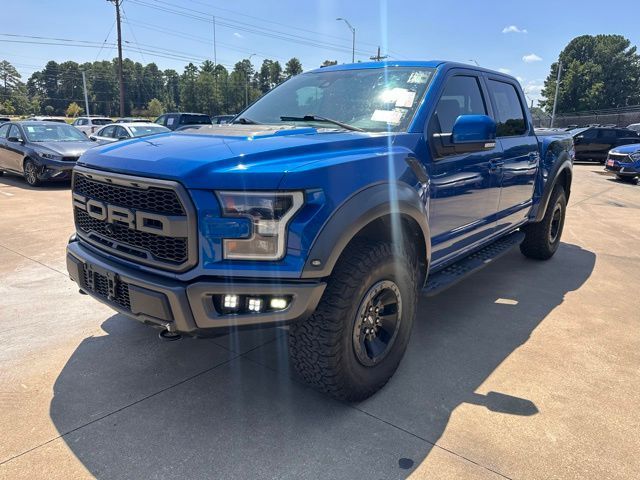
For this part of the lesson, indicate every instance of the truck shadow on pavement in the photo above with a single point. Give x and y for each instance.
(128, 405)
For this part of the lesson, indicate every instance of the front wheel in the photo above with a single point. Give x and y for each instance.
(542, 239)
(31, 173)
(354, 341)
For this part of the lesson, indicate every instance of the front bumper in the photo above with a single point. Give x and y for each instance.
(179, 306)
(53, 169)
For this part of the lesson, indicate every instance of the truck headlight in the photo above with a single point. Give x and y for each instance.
(269, 213)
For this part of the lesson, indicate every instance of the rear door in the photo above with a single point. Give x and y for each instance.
(520, 153)
(584, 143)
(606, 140)
(465, 187)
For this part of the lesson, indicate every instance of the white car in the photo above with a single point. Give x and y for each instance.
(89, 125)
(123, 131)
(635, 127)
(46, 119)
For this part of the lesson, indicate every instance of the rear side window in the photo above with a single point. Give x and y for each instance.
(461, 96)
(607, 133)
(3, 130)
(15, 132)
(510, 117)
(626, 133)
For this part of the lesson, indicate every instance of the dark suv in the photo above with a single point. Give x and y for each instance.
(593, 143)
(175, 120)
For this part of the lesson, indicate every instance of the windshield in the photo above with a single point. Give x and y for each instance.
(141, 131)
(369, 99)
(54, 132)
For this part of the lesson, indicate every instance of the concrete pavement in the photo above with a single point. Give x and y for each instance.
(525, 370)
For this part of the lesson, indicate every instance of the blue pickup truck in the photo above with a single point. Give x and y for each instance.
(329, 205)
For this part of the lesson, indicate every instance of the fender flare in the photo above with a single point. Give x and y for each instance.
(353, 215)
(564, 163)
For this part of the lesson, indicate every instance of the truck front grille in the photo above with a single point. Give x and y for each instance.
(169, 249)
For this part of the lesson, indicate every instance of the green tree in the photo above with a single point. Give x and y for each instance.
(292, 67)
(264, 76)
(9, 78)
(188, 91)
(601, 71)
(155, 107)
(6, 108)
(73, 110)
(49, 109)
(275, 74)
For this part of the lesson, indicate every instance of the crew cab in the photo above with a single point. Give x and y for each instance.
(328, 205)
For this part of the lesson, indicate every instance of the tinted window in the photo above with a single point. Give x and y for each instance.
(3, 131)
(195, 119)
(510, 118)
(100, 121)
(607, 133)
(161, 120)
(461, 96)
(121, 132)
(171, 121)
(626, 133)
(589, 134)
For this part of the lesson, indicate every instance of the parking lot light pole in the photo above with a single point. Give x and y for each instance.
(353, 34)
(555, 97)
(86, 99)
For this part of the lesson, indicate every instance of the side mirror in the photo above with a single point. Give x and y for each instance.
(123, 137)
(473, 129)
(93, 138)
(15, 140)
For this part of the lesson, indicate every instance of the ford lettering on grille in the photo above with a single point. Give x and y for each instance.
(143, 220)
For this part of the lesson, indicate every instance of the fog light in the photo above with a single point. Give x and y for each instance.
(278, 303)
(231, 301)
(255, 304)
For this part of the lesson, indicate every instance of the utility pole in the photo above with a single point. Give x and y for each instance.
(215, 60)
(353, 38)
(379, 57)
(555, 98)
(86, 98)
(246, 85)
(120, 78)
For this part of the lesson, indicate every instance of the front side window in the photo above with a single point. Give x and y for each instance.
(461, 96)
(107, 131)
(371, 99)
(510, 119)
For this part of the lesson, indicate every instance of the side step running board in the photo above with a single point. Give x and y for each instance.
(448, 276)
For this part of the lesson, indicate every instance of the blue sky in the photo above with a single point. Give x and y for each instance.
(522, 38)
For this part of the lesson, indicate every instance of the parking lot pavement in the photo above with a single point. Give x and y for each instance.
(525, 370)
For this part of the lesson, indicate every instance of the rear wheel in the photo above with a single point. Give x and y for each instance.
(31, 173)
(542, 239)
(354, 341)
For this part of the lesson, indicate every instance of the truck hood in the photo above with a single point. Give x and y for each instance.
(223, 156)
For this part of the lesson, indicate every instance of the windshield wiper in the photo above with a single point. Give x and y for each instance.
(246, 121)
(315, 118)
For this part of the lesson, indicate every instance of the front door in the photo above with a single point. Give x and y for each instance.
(520, 153)
(4, 158)
(465, 188)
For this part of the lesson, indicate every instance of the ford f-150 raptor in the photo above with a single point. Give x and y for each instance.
(330, 205)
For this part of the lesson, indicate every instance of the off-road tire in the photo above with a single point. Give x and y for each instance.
(31, 173)
(323, 347)
(542, 239)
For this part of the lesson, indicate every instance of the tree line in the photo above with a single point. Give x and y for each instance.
(57, 89)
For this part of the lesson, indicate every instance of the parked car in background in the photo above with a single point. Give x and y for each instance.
(221, 119)
(125, 131)
(46, 119)
(594, 143)
(132, 120)
(625, 163)
(635, 127)
(176, 120)
(4, 120)
(89, 125)
(40, 151)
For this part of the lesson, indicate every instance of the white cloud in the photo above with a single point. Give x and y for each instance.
(514, 29)
(532, 57)
(504, 70)
(237, 35)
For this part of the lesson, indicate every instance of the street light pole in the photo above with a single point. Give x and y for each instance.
(246, 86)
(555, 98)
(353, 42)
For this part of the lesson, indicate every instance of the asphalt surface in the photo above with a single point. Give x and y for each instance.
(524, 370)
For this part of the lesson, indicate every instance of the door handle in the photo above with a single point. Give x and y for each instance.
(495, 164)
(533, 157)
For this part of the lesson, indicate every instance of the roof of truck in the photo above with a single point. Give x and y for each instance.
(406, 63)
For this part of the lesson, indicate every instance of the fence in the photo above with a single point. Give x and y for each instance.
(621, 117)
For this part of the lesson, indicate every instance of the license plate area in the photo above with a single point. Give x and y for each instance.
(101, 280)
(610, 163)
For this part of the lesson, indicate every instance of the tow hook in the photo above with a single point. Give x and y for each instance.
(169, 334)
